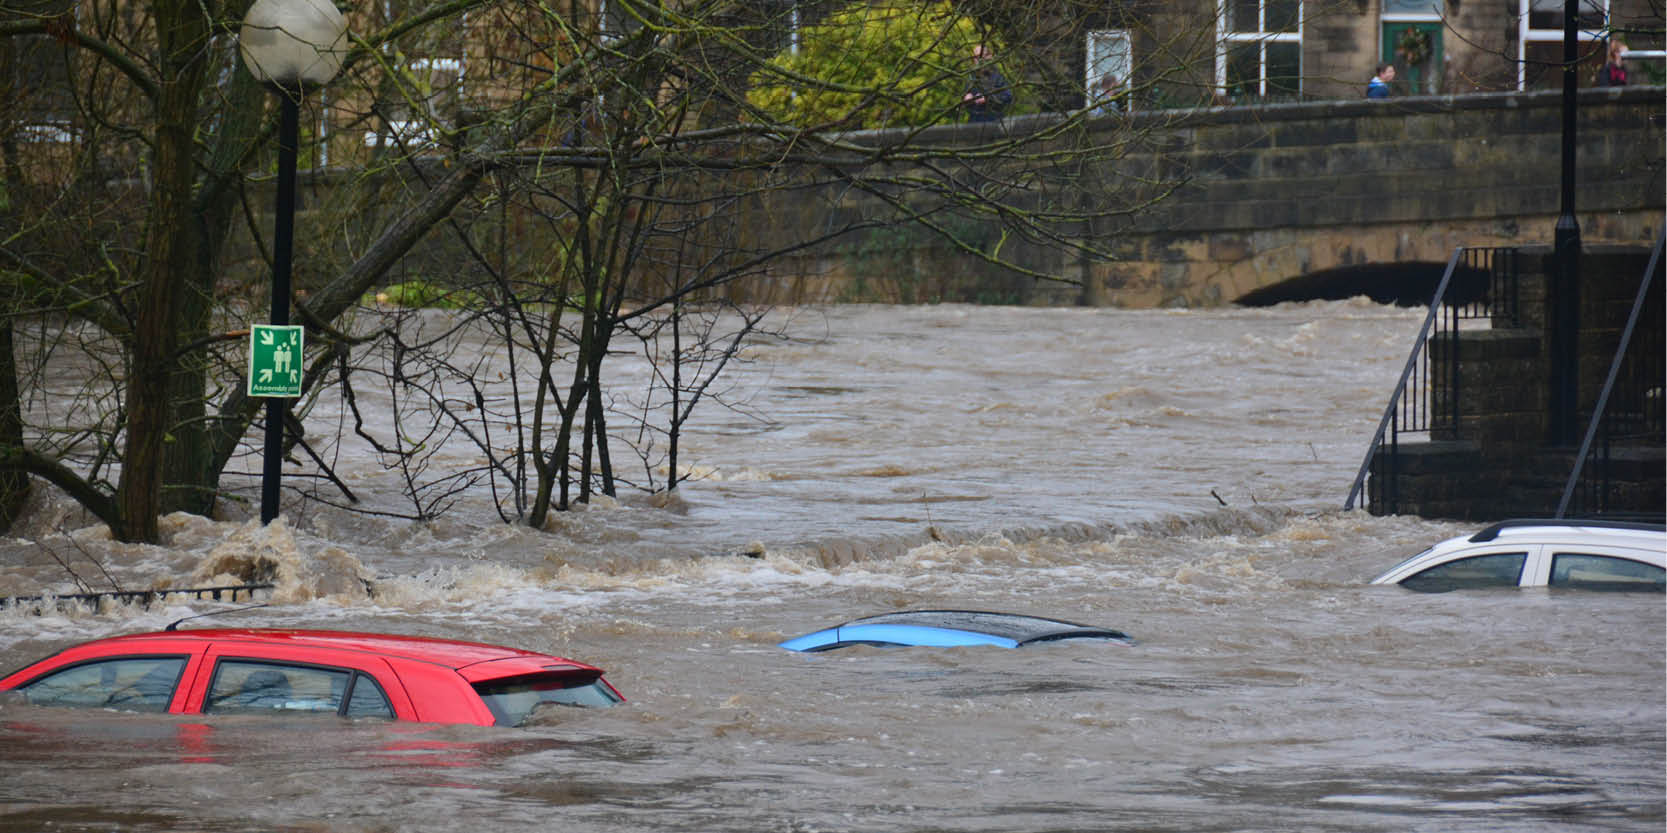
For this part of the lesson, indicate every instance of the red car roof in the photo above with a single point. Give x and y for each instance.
(451, 653)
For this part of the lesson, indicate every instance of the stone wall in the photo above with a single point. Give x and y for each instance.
(1282, 191)
(1271, 194)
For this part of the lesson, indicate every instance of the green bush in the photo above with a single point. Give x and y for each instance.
(891, 63)
(420, 293)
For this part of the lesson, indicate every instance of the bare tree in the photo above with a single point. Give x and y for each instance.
(566, 174)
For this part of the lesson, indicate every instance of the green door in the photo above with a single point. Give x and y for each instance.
(1415, 50)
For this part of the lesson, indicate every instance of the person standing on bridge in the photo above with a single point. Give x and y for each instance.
(1613, 71)
(1378, 87)
(988, 94)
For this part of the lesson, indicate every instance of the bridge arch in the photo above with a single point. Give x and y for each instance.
(1406, 284)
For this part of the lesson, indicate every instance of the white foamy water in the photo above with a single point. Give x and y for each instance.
(1176, 475)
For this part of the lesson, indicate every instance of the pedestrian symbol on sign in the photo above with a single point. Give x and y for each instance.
(275, 360)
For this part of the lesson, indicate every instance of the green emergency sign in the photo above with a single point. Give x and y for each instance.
(275, 360)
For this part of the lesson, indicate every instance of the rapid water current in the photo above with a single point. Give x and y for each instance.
(1178, 475)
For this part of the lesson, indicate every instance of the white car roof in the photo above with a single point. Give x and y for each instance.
(1611, 534)
(1641, 541)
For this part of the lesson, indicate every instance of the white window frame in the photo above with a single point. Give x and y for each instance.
(413, 133)
(1262, 37)
(604, 10)
(48, 132)
(793, 23)
(1093, 71)
(1436, 14)
(418, 132)
(324, 129)
(1526, 35)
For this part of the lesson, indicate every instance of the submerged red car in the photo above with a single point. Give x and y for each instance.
(277, 671)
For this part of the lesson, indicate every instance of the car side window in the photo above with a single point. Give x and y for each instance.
(261, 687)
(368, 699)
(1495, 570)
(1602, 572)
(143, 684)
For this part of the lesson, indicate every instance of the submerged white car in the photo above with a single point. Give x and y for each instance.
(1584, 554)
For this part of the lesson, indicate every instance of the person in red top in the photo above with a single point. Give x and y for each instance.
(1613, 71)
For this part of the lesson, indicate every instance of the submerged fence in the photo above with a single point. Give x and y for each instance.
(143, 598)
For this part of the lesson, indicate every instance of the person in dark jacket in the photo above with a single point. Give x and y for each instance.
(1613, 71)
(988, 94)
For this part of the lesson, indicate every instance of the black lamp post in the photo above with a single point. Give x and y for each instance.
(293, 46)
(1565, 289)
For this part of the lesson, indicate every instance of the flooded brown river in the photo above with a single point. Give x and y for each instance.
(1174, 474)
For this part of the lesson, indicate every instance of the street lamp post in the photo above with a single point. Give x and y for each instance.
(1565, 292)
(292, 46)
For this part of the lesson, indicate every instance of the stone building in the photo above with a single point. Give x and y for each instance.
(1164, 53)
(1284, 50)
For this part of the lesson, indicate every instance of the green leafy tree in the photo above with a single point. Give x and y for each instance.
(889, 64)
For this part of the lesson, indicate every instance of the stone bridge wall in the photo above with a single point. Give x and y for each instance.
(1283, 191)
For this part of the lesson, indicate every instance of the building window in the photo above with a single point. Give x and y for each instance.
(618, 22)
(428, 100)
(1259, 54)
(1109, 60)
(1540, 38)
(1414, 9)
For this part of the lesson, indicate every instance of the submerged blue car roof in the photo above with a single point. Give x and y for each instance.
(949, 628)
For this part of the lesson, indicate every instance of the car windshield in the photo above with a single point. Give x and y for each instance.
(1408, 560)
(511, 700)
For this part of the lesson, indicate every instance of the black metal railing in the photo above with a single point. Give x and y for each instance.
(1479, 282)
(143, 598)
(1628, 411)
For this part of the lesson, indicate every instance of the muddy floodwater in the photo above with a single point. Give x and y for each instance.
(1177, 475)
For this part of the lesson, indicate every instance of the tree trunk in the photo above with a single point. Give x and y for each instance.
(14, 485)
(172, 242)
(192, 469)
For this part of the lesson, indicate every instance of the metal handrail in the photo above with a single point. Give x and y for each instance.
(1406, 373)
(1614, 372)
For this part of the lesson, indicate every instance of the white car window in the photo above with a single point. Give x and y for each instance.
(1602, 572)
(1494, 570)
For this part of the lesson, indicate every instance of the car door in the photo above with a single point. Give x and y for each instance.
(259, 678)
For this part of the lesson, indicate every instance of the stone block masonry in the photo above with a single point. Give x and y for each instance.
(1277, 192)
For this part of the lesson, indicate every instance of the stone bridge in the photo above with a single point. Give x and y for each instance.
(1324, 199)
